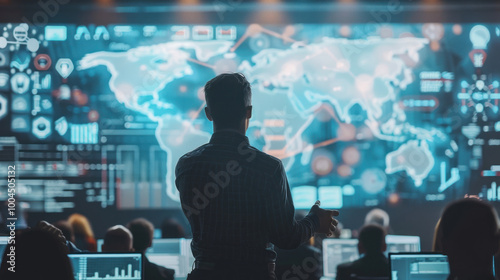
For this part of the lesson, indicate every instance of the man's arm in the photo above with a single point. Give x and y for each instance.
(286, 232)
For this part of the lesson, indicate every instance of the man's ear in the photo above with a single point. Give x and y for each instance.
(207, 113)
(249, 112)
(384, 246)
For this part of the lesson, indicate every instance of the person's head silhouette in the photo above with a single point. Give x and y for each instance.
(171, 228)
(37, 254)
(228, 98)
(470, 238)
(142, 231)
(117, 239)
(372, 240)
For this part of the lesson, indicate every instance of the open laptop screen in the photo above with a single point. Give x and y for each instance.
(416, 266)
(112, 266)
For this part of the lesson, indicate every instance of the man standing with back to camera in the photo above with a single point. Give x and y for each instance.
(237, 198)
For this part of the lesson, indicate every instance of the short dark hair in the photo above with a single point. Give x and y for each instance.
(143, 231)
(227, 97)
(117, 239)
(372, 238)
(170, 228)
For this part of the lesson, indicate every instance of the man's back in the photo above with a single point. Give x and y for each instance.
(227, 190)
(236, 198)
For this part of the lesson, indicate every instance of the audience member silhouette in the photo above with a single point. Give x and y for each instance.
(142, 231)
(372, 263)
(117, 239)
(170, 228)
(84, 236)
(470, 238)
(39, 254)
(237, 198)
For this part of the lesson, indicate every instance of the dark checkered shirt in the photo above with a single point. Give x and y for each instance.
(238, 201)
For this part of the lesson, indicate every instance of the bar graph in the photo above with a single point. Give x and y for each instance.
(106, 266)
(493, 192)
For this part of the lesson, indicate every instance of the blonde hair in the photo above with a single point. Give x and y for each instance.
(80, 225)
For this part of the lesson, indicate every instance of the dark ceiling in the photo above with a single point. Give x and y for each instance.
(232, 11)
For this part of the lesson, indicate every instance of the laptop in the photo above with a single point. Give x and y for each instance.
(417, 266)
(337, 251)
(111, 266)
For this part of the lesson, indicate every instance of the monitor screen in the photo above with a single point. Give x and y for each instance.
(113, 266)
(172, 253)
(360, 114)
(402, 243)
(337, 251)
(4, 240)
(421, 266)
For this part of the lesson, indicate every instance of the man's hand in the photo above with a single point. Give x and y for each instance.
(327, 224)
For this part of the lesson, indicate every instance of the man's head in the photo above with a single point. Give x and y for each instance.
(142, 230)
(170, 228)
(117, 239)
(372, 240)
(229, 99)
(469, 231)
(379, 217)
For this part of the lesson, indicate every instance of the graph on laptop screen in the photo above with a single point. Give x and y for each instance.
(337, 251)
(172, 253)
(415, 266)
(110, 266)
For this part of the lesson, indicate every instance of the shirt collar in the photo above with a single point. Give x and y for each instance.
(228, 136)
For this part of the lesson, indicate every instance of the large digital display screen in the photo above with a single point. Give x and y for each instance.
(361, 114)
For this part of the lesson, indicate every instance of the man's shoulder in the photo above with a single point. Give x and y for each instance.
(349, 266)
(264, 156)
(194, 153)
(346, 266)
(262, 161)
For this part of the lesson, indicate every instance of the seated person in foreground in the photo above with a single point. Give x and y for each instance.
(39, 254)
(372, 263)
(117, 239)
(142, 232)
(470, 237)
